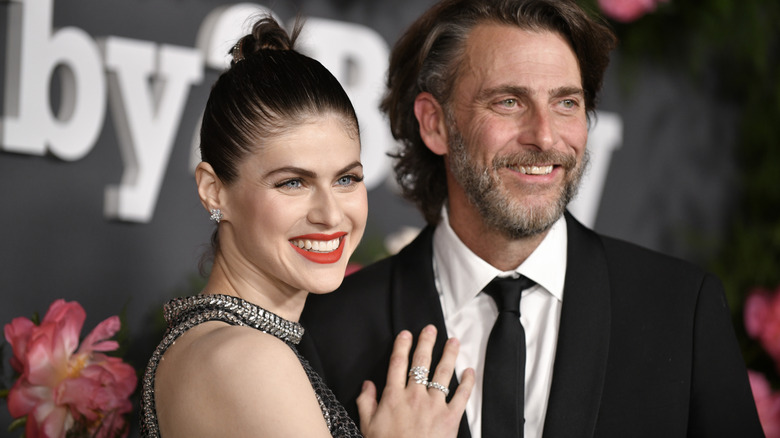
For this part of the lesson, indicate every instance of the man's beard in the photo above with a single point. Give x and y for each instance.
(496, 205)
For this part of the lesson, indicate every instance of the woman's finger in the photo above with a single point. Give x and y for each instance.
(440, 381)
(366, 404)
(421, 360)
(461, 396)
(399, 360)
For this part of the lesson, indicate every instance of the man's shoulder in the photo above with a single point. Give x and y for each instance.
(625, 255)
(623, 252)
(375, 274)
(365, 291)
(379, 274)
(639, 269)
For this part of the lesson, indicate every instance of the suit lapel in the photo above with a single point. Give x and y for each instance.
(583, 338)
(415, 302)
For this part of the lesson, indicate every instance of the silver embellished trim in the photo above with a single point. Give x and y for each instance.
(184, 313)
(244, 313)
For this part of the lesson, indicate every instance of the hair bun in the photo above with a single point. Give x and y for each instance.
(266, 34)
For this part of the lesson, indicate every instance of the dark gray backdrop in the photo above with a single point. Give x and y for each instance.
(668, 185)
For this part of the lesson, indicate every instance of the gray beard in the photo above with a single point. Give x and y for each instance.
(499, 211)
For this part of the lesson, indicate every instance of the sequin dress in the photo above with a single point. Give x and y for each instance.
(183, 314)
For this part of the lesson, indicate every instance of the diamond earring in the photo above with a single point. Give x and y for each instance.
(216, 215)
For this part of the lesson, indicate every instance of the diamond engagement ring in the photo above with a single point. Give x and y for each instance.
(440, 387)
(420, 375)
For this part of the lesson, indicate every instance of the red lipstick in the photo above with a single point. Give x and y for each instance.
(321, 257)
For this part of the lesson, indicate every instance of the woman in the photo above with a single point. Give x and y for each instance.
(281, 176)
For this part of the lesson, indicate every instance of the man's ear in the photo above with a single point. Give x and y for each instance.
(433, 127)
(209, 186)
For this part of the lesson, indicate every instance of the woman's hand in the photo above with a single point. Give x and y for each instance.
(414, 406)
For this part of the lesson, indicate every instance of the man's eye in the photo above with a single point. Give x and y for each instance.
(509, 103)
(568, 103)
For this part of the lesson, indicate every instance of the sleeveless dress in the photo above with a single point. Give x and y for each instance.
(183, 314)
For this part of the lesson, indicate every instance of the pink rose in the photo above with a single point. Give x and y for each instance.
(627, 11)
(762, 320)
(767, 404)
(61, 386)
(757, 312)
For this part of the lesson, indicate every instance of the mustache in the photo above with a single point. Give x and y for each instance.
(535, 158)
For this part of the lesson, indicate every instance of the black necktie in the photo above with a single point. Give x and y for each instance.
(503, 392)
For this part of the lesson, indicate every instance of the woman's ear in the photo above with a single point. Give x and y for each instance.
(433, 127)
(209, 186)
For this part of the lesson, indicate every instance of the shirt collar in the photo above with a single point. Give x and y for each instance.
(461, 274)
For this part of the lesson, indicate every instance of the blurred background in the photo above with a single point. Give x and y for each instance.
(102, 101)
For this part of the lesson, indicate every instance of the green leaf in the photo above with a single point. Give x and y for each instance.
(16, 424)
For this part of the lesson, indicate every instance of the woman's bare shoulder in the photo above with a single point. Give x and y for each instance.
(220, 379)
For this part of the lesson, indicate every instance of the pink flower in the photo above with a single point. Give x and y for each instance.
(61, 387)
(767, 404)
(627, 11)
(762, 320)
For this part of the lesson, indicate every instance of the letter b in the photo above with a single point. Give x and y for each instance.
(29, 126)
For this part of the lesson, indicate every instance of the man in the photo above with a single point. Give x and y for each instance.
(492, 99)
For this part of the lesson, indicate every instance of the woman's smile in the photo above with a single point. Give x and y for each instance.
(320, 248)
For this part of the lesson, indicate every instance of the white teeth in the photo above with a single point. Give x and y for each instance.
(317, 245)
(536, 170)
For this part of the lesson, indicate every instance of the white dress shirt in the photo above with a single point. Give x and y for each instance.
(469, 315)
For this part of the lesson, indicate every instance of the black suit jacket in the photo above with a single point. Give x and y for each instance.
(645, 347)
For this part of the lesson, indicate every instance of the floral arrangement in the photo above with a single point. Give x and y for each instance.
(627, 11)
(762, 322)
(731, 50)
(63, 389)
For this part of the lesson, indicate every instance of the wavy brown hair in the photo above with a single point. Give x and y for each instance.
(427, 59)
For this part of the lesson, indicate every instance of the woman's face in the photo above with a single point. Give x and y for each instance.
(298, 208)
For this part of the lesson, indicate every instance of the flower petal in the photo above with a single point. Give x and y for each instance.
(69, 318)
(756, 312)
(18, 333)
(55, 422)
(101, 332)
(46, 363)
(23, 397)
(626, 11)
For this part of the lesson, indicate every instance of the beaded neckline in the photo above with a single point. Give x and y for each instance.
(250, 314)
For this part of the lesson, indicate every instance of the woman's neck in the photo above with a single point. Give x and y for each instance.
(256, 289)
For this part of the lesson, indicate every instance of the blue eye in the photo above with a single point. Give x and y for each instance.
(347, 180)
(290, 184)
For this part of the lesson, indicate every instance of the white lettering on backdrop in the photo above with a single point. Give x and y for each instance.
(32, 54)
(146, 122)
(148, 85)
(603, 138)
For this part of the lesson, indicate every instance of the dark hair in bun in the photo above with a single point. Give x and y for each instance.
(269, 89)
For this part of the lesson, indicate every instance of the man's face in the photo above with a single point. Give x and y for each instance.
(517, 129)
